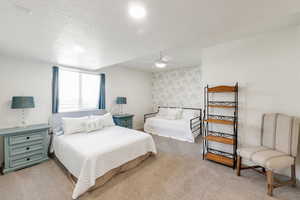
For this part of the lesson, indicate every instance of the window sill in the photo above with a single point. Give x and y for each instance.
(83, 110)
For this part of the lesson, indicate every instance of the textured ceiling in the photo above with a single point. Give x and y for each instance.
(98, 33)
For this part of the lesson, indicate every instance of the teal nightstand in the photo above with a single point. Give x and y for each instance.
(124, 120)
(24, 146)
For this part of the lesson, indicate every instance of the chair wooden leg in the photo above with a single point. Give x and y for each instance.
(270, 180)
(238, 164)
(293, 175)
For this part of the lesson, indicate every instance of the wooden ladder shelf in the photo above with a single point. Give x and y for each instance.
(214, 152)
(220, 159)
(219, 121)
(220, 106)
(220, 139)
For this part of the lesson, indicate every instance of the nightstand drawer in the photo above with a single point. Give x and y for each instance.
(20, 161)
(24, 146)
(123, 120)
(16, 150)
(26, 138)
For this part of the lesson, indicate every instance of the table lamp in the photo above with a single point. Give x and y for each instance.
(121, 101)
(22, 102)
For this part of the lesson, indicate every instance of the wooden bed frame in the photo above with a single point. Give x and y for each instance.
(108, 175)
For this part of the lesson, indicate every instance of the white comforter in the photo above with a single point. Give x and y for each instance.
(90, 155)
(176, 129)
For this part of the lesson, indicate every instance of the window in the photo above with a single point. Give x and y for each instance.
(78, 91)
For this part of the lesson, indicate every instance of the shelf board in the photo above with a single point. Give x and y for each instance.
(220, 139)
(222, 88)
(219, 121)
(220, 159)
(220, 106)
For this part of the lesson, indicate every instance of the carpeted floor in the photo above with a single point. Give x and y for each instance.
(176, 173)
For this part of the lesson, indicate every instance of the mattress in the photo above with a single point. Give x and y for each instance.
(88, 156)
(176, 129)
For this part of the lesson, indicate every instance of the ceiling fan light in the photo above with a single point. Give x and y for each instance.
(160, 64)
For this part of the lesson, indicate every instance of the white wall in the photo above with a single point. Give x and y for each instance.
(179, 88)
(20, 77)
(133, 84)
(267, 68)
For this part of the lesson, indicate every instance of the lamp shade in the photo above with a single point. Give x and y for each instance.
(22, 102)
(121, 100)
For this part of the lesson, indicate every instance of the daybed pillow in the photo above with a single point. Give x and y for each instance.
(163, 112)
(74, 125)
(174, 113)
(189, 114)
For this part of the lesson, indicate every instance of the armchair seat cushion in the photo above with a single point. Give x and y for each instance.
(248, 152)
(280, 162)
(266, 157)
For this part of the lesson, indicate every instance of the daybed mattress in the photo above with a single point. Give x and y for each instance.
(88, 156)
(176, 129)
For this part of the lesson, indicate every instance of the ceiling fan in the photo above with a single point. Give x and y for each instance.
(162, 61)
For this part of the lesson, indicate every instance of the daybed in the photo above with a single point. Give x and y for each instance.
(178, 123)
(91, 159)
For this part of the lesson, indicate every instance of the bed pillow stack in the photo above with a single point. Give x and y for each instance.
(74, 125)
(87, 124)
(93, 124)
(105, 120)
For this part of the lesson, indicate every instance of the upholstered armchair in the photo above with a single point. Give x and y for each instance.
(278, 149)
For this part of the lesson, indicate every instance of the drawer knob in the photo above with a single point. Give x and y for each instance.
(27, 148)
(27, 138)
(27, 159)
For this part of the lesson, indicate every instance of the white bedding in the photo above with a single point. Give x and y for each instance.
(90, 155)
(176, 129)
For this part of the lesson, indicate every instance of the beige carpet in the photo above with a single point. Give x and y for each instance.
(164, 177)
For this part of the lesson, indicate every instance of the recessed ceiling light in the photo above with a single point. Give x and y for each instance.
(160, 64)
(137, 11)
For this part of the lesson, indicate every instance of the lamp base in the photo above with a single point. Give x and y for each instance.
(23, 122)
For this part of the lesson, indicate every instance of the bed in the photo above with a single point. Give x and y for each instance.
(185, 127)
(99, 155)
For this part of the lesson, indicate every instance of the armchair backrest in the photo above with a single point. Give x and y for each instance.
(280, 132)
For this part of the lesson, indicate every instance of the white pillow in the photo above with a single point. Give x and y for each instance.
(163, 112)
(189, 114)
(93, 124)
(74, 125)
(106, 119)
(174, 113)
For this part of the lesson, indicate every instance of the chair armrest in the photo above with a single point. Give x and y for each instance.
(148, 115)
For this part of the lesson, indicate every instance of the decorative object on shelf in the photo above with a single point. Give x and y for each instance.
(121, 101)
(22, 102)
(25, 146)
(222, 137)
(124, 120)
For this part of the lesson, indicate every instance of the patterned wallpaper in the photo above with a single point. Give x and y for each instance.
(180, 88)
